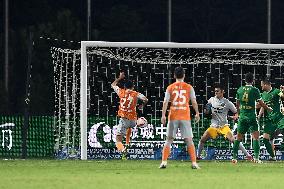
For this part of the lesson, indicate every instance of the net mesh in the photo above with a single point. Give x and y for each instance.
(151, 70)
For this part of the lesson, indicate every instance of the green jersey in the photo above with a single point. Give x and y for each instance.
(247, 96)
(272, 99)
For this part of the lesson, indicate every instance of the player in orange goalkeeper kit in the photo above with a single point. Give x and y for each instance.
(127, 110)
(179, 94)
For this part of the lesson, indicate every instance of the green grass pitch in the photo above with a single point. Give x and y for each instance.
(136, 174)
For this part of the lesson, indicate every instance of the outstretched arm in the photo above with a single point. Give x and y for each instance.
(121, 76)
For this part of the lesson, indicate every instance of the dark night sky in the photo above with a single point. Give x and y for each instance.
(192, 20)
(128, 20)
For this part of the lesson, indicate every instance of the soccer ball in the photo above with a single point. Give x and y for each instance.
(141, 122)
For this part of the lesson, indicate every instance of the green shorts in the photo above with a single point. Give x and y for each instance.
(277, 120)
(247, 123)
(269, 127)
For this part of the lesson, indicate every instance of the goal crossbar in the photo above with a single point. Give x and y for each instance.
(182, 45)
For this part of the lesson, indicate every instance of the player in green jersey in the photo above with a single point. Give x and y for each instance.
(274, 121)
(246, 97)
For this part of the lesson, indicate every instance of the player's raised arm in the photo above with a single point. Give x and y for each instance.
(121, 76)
(114, 84)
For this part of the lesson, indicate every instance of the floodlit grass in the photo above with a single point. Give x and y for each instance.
(112, 174)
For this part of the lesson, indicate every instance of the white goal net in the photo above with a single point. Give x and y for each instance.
(84, 100)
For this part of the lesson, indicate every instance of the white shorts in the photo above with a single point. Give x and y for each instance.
(124, 124)
(183, 125)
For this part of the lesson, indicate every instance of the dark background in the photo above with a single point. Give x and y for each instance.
(118, 20)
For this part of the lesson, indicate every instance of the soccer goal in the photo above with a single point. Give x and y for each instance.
(85, 112)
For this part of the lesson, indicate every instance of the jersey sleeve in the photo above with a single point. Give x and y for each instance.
(167, 96)
(192, 94)
(116, 89)
(210, 100)
(141, 96)
(232, 107)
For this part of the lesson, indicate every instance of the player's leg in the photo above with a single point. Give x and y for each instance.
(130, 125)
(254, 129)
(166, 152)
(121, 130)
(127, 141)
(256, 146)
(226, 131)
(203, 139)
(171, 133)
(242, 129)
(268, 133)
(280, 127)
(268, 146)
(186, 133)
(236, 146)
(128, 134)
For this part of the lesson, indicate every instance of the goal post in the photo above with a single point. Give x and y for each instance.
(160, 45)
(83, 101)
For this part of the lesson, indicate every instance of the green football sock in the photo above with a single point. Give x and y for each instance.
(256, 148)
(268, 147)
(235, 149)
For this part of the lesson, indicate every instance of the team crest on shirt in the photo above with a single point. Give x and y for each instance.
(223, 104)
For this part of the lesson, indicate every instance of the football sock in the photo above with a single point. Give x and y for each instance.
(191, 152)
(268, 147)
(119, 146)
(256, 148)
(166, 152)
(235, 149)
(128, 133)
(200, 148)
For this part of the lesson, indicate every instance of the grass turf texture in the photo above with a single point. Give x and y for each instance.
(41, 174)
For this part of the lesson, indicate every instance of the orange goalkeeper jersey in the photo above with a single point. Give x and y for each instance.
(179, 97)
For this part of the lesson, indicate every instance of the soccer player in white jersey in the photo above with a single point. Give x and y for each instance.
(219, 106)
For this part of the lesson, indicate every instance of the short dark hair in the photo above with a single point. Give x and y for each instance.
(266, 80)
(219, 86)
(179, 72)
(128, 84)
(249, 77)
